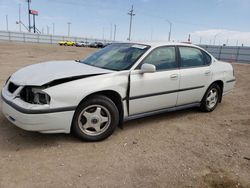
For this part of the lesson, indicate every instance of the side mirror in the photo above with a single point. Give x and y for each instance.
(147, 68)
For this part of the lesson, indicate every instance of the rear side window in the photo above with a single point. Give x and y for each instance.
(191, 57)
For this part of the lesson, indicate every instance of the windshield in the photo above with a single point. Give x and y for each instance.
(120, 56)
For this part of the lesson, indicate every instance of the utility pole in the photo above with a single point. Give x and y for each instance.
(19, 18)
(114, 32)
(34, 23)
(69, 28)
(7, 23)
(131, 14)
(29, 1)
(200, 39)
(53, 24)
(170, 30)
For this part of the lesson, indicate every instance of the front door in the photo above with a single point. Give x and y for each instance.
(158, 90)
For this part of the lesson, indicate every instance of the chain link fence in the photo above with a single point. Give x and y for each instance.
(42, 38)
(229, 53)
(226, 53)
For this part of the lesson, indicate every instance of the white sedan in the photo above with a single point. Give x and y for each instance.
(123, 81)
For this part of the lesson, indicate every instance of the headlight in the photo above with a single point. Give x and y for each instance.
(34, 95)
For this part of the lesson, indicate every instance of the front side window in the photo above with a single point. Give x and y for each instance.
(163, 58)
(191, 57)
(120, 56)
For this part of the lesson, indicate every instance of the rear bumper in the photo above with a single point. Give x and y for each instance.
(229, 86)
(50, 122)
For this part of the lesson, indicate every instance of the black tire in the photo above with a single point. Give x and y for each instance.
(205, 104)
(88, 134)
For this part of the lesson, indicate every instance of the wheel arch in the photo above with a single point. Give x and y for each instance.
(220, 83)
(114, 96)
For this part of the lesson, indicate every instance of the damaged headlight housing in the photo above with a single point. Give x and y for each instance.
(34, 95)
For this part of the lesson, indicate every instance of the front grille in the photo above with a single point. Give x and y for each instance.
(12, 87)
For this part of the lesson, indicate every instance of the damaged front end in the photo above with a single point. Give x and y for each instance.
(29, 94)
(35, 95)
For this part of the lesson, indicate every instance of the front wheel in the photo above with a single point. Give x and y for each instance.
(211, 98)
(95, 119)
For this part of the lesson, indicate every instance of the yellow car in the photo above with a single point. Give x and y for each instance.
(62, 43)
(67, 43)
(70, 43)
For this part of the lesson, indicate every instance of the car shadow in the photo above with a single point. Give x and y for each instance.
(168, 116)
(15, 139)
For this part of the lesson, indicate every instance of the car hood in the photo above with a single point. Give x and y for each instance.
(43, 73)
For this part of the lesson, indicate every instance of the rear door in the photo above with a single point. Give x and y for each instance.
(195, 74)
(158, 90)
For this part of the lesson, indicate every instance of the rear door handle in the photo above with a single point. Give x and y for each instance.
(207, 73)
(174, 76)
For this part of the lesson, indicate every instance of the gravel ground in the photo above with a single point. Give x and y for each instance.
(180, 149)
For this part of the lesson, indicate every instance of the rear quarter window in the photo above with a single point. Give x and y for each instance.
(207, 58)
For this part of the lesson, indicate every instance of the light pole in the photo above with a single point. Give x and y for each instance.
(170, 30)
(7, 23)
(69, 23)
(215, 36)
(19, 17)
(114, 32)
(131, 14)
(103, 33)
(53, 24)
(111, 31)
(47, 30)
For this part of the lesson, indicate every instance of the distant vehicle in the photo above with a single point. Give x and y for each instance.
(96, 45)
(82, 44)
(62, 43)
(121, 82)
(67, 43)
(70, 43)
(106, 44)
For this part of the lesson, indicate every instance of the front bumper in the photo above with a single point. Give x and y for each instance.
(44, 120)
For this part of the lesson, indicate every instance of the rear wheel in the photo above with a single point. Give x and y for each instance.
(95, 119)
(211, 98)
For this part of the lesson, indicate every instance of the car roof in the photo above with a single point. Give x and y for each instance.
(159, 44)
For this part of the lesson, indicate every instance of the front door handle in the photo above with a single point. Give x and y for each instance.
(174, 76)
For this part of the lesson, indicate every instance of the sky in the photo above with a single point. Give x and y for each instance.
(207, 21)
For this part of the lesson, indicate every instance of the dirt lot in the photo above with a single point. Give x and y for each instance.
(180, 149)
